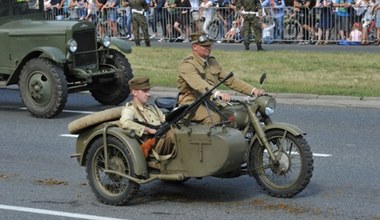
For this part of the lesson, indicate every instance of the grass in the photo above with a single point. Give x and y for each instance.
(323, 73)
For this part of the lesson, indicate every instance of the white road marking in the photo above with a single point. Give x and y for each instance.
(322, 155)
(69, 135)
(55, 213)
(70, 111)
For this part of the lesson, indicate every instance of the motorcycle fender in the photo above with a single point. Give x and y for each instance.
(285, 126)
(281, 126)
(122, 45)
(86, 138)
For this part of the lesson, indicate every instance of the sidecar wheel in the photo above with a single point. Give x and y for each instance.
(293, 172)
(111, 188)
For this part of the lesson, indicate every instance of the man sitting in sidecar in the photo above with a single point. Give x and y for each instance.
(144, 119)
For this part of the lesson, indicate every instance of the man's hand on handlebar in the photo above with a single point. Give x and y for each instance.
(258, 92)
(223, 96)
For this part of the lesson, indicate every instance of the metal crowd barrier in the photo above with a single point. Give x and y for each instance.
(318, 25)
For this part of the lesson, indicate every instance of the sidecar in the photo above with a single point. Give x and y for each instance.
(116, 166)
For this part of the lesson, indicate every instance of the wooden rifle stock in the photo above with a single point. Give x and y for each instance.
(147, 145)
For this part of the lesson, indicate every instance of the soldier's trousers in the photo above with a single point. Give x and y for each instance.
(252, 23)
(139, 21)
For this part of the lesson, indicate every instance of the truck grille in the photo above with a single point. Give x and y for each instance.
(86, 54)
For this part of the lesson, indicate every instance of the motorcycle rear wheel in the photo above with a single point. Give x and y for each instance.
(293, 172)
(111, 188)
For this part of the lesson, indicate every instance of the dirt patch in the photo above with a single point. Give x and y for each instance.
(49, 182)
(3, 176)
(292, 209)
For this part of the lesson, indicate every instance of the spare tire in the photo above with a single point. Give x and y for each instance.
(75, 127)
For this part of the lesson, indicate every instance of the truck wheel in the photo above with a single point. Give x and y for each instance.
(115, 92)
(111, 188)
(43, 87)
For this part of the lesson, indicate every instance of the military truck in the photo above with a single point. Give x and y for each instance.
(50, 59)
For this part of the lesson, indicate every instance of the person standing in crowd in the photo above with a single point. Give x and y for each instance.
(247, 8)
(159, 16)
(225, 15)
(302, 11)
(200, 71)
(127, 18)
(91, 11)
(173, 18)
(195, 16)
(376, 11)
(366, 19)
(342, 17)
(277, 13)
(55, 9)
(110, 10)
(206, 10)
(143, 118)
(325, 22)
(139, 20)
(102, 16)
(184, 18)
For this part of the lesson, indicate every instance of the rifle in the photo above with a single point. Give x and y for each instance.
(176, 115)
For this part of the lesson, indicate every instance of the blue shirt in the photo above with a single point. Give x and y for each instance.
(280, 5)
(342, 11)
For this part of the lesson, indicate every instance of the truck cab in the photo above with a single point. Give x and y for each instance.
(49, 59)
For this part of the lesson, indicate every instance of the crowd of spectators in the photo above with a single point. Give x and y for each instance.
(303, 21)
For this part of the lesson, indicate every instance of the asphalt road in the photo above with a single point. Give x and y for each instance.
(39, 180)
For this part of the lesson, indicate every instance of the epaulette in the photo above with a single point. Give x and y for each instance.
(128, 104)
(188, 58)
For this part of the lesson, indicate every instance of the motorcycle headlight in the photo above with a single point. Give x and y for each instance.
(267, 105)
(106, 41)
(72, 45)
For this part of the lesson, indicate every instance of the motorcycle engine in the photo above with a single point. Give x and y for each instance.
(237, 115)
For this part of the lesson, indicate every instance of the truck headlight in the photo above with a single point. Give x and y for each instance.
(72, 45)
(267, 105)
(106, 41)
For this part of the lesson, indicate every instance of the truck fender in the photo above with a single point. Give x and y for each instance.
(52, 53)
(139, 161)
(121, 44)
(280, 126)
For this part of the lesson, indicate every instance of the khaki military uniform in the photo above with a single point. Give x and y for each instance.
(197, 74)
(148, 114)
(139, 20)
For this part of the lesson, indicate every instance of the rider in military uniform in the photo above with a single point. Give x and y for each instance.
(139, 20)
(198, 72)
(248, 8)
(144, 118)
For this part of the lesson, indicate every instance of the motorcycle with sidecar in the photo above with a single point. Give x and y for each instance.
(247, 142)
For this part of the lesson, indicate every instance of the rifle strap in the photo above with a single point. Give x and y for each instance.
(162, 157)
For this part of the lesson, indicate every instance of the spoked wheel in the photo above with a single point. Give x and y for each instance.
(292, 171)
(291, 31)
(213, 29)
(109, 187)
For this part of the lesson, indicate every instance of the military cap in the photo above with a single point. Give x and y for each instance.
(139, 82)
(201, 39)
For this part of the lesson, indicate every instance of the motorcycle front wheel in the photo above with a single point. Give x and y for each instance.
(291, 172)
(111, 188)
